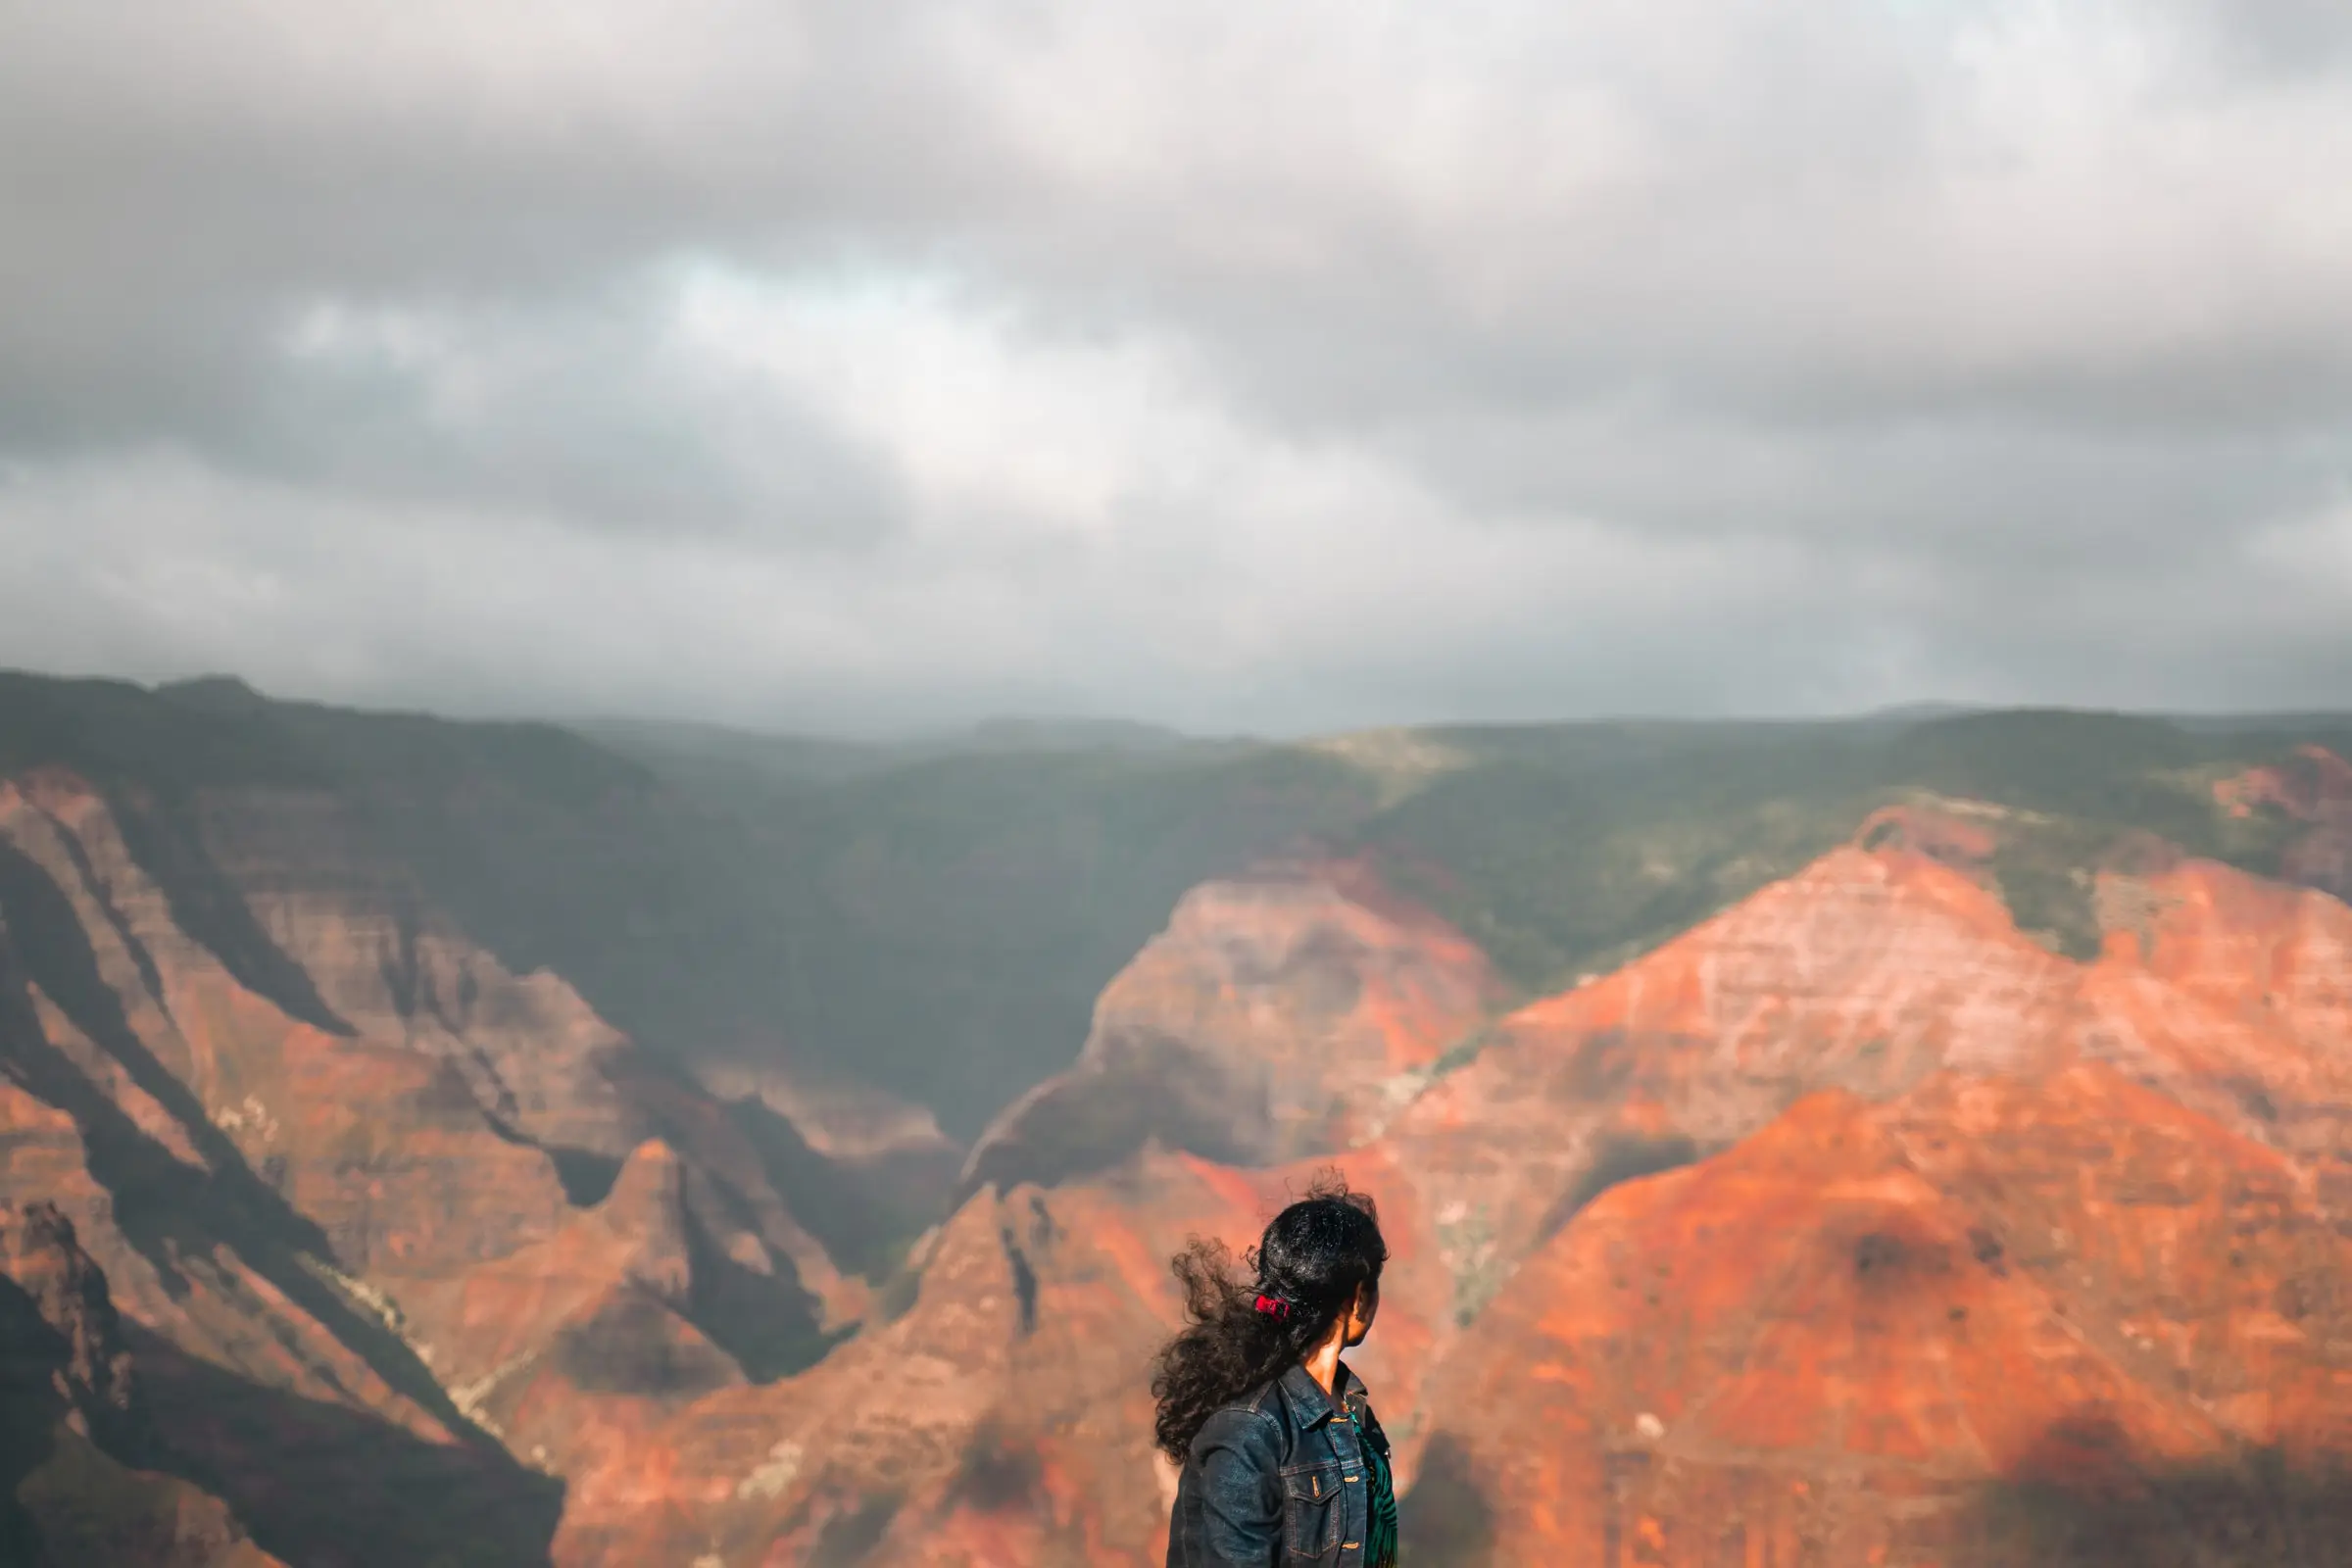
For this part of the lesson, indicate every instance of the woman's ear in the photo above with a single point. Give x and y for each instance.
(1361, 1310)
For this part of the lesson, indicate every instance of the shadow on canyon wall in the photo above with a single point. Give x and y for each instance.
(2081, 1500)
(321, 1486)
(166, 1210)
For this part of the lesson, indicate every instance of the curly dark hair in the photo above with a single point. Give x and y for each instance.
(1315, 1256)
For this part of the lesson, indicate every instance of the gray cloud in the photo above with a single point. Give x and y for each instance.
(1307, 366)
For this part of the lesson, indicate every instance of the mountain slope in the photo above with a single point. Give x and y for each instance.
(501, 1148)
(1836, 1338)
(265, 1139)
(1957, 1278)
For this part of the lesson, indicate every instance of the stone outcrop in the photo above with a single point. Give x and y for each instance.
(1280, 1015)
(66, 1293)
(74, 1429)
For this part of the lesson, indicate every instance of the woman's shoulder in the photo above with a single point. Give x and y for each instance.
(1247, 1418)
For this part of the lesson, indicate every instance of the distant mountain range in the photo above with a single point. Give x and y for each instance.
(1904, 1137)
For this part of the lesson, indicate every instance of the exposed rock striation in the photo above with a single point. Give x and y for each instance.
(1841, 1341)
(1280, 1015)
(367, 1196)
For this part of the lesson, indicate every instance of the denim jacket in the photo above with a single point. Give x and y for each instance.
(1275, 1480)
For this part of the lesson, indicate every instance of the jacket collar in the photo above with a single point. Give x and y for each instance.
(1309, 1405)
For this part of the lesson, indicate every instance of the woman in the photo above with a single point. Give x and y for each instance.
(1283, 1462)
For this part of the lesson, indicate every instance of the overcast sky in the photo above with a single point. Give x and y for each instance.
(1297, 364)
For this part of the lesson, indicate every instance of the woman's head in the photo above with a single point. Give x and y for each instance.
(1320, 1256)
(1315, 1270)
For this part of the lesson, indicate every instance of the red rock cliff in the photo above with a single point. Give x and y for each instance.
(348, 1174)
(1279, 1015)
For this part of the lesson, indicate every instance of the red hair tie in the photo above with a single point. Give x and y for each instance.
(1275, 1307)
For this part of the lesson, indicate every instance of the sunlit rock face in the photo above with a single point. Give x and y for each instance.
(365, 1124)
(1867, 971)
(1279, 1015)
(2023, 1223)
(1859, 1334)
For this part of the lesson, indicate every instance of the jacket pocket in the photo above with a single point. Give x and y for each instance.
(1313, 1513)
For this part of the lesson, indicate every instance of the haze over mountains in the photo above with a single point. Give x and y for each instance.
(1905, 1140)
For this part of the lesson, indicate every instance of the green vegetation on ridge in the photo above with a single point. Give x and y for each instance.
(1570, 850)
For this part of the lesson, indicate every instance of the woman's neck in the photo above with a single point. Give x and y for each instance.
(1322, 1363)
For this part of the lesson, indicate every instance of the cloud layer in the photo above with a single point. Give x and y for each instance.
(1302, 367)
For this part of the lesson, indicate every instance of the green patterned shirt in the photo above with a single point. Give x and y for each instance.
(1380, 1535)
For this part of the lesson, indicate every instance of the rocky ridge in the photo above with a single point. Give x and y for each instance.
(269, 1082)
(363, 1193)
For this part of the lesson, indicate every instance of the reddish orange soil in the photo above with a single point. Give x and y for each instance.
(1822, 1234)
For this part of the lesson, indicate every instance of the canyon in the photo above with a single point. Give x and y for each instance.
(428, 1143)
